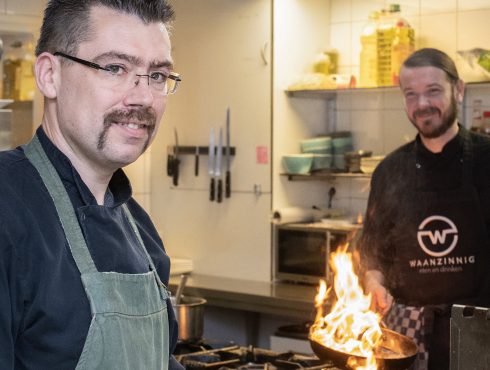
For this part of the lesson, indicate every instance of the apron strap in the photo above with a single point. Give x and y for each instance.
(140, 240)
(69, 222)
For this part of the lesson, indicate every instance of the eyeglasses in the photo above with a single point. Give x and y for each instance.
(118, 75)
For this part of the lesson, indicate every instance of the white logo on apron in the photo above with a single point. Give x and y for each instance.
(432, 235)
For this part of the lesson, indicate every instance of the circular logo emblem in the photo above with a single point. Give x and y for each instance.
(437, 236)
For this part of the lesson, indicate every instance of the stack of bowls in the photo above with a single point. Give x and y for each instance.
(321, 149)
(299, 164)
(341, 144)
(353, 159)
(368, 164)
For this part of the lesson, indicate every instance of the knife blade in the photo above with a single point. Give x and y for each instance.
(228, 174)
(211, 163)
(217, 171)
(176, 161)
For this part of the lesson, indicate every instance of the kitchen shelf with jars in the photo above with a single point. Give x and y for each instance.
(331, 156)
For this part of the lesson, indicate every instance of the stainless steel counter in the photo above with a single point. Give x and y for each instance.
(280, 299)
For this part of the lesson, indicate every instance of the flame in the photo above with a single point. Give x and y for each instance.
(350, 327)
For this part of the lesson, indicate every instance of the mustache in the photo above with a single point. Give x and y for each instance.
(143, 115)
(421, 112)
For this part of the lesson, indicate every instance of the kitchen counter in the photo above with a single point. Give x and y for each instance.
(279, 299)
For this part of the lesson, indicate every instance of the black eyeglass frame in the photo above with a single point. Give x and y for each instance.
(173, 76)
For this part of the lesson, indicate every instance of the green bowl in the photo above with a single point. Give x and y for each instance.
(321, 162)
(297, 163)
(320, 145)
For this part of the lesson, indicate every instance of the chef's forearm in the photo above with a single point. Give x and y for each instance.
(373, 278)
(381, 299)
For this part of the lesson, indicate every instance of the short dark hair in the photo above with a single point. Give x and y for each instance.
(430, 57)
(66, 23)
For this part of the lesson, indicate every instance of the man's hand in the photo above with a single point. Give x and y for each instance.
(381, 299)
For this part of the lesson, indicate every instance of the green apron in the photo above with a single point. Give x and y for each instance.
(129, 327)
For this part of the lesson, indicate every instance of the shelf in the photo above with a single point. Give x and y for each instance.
(5, 102)
(331, 94)
(325, 176)
(319, 94)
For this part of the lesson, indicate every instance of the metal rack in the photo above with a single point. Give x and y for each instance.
(202, 150)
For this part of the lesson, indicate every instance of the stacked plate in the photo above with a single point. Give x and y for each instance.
(368, 164)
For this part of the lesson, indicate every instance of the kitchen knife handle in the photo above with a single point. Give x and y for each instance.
(220, 191)
(170, 165)
(196, 165)
(211, 190)
(228, 184)
(176, 172)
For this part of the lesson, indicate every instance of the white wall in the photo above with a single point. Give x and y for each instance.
(217, 48)
(301, 30)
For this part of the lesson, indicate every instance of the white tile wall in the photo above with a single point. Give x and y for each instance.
(377, 117)
(450, 25)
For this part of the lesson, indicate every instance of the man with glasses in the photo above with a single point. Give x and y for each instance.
(425, 243)
(83, 272)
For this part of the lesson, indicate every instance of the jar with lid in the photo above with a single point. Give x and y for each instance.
(485, 126)
(18, 72)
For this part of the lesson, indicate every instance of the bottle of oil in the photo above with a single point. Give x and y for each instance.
(403, 44)
(18, 73)
(368, 74)
(385, 39)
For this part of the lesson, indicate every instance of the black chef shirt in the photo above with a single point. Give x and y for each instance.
(44, 310)
(443, 171)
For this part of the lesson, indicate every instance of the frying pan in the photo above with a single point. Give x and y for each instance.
(394, 352)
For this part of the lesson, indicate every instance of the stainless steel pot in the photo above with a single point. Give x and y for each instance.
(190, 315)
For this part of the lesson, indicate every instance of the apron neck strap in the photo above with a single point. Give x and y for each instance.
(69, 222)
(138, 235)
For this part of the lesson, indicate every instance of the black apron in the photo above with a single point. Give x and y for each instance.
(439, 241)
(439, 253)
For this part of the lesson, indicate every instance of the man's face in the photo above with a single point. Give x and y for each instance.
(106, 123)
(430, 99)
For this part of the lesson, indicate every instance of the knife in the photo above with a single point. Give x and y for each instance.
(228, 175)
(176, 161)
(196, 162)
(211, 164)
(217, 171)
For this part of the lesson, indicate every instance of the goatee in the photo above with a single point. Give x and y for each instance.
(427, 129)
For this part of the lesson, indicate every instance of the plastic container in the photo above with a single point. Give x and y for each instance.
(368, 76)
(297, 163)
(18, 73)
(403, 44)
(326, 62)
(321, 162)
(317, 145)
(477, 116)
(385, 35)
(485, 126)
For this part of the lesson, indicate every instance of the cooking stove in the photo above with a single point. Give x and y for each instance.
(247, 358)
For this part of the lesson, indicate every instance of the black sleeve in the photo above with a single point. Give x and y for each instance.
(10, 303)
(373, 244)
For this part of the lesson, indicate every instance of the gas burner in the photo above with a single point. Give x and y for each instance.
(184, 347)
(249, 358)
